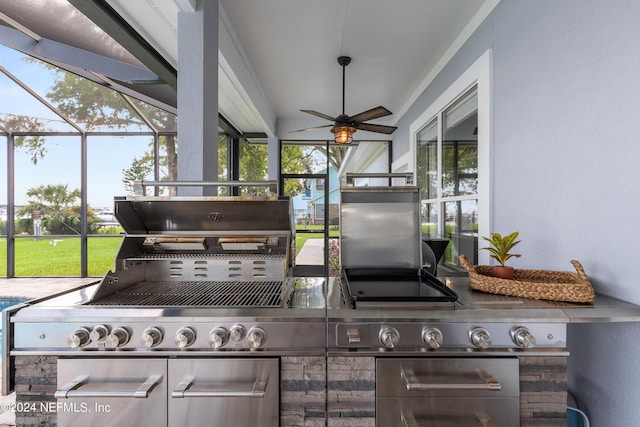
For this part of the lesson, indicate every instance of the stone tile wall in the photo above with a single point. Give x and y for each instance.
(303, 391)
(36, 378)
(543, 392)
(351, 399)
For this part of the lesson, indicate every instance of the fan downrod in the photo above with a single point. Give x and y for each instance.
(344, 60)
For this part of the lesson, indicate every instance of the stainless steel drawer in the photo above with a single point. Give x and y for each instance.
(447, 377)
(112, 392)
(447, 392)
(448, 412)
(224, 392)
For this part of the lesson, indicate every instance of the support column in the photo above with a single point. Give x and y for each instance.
(198, 96)
(273, 162)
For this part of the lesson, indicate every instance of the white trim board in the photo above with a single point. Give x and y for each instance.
(480, 74)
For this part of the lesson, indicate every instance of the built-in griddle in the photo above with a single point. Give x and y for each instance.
(381, 246)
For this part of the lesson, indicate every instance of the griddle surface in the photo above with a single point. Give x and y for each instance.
(396, 286)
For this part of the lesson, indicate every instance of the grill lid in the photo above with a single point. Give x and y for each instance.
(202, 215)
(199, 239)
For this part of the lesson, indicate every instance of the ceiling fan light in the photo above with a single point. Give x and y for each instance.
(343, 134)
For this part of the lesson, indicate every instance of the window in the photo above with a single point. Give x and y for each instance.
(450, 149)
(447, 173)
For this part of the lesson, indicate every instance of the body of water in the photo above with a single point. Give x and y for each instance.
(8, 302)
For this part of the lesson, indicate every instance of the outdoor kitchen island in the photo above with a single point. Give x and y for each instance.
(485, 360)
(405, 349)
(337, 387)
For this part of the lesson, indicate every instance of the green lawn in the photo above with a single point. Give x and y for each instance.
(43, 258)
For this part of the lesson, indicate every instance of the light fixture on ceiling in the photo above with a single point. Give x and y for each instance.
(343, 134)
(345, 126)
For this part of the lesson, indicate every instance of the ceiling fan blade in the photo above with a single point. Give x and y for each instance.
(315, 127)
(315, 113)
(377, 128)
(371, 114)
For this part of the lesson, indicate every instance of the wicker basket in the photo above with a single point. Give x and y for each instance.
(536, 284)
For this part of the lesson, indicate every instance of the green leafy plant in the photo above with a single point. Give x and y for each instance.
(501, 246)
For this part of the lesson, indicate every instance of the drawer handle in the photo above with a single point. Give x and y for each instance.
(258, 390)
(408, 420)
(72, 389)
(489, 383)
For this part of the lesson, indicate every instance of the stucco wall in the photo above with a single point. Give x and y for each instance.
(565, 153)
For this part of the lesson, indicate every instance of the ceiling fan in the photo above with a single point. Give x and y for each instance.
(345, 126)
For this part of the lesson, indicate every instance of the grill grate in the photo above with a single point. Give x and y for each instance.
(198, 294)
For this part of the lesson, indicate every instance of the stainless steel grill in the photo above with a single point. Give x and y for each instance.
(191, 323)
(204, 274)
(199, 294)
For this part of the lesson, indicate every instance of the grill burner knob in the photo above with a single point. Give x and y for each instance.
(432, 337)
(79, 338)
(256, 337)
(480, 337)
(218, 337)
(238, 332)
(389, 337)
(151, 337)
(117, 338)
(522, 337)
(185, 337)
(99, 333)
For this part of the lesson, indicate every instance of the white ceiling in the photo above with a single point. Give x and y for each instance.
(290, 50)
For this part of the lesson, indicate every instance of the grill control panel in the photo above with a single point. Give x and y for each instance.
(181, 335)
(406, 336)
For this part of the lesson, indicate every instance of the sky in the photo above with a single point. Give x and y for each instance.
(107, 156)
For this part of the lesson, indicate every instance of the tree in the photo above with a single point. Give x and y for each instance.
(94, 106)
(140, 168)
(33, 144)
(57, 207)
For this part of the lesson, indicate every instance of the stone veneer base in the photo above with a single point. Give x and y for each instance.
(304, 400)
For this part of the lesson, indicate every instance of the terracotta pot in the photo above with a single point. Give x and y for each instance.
(503, 272)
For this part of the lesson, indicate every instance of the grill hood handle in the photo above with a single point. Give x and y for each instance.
(140, 186)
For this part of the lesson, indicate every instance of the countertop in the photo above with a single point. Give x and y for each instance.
(475, 305)
(315, 299)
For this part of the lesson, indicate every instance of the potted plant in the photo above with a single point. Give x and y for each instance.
(500, 250)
